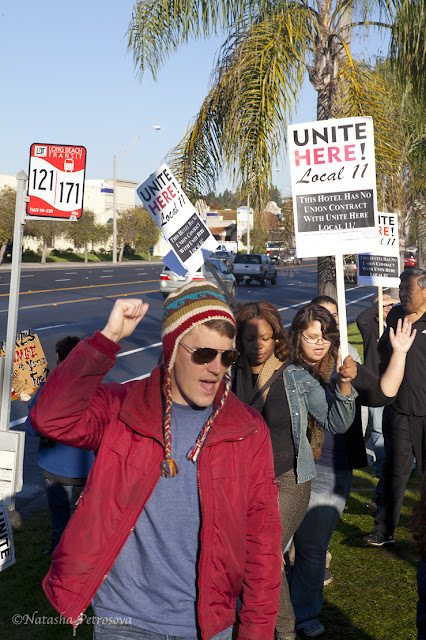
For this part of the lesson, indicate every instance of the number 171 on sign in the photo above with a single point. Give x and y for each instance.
(56, 181)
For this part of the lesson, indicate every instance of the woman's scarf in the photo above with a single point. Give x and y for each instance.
(245, 389)
(314, 431)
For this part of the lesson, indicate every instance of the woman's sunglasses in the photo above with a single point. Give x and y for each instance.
(205, 355)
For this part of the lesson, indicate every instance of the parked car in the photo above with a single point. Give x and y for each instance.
(254, 266)
(350, 269)
(410, 259)
(226, 256)
(169, 281)
(290, 258)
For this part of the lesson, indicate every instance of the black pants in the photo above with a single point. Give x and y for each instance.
(404, 439)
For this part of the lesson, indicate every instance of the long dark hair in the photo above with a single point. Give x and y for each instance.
(301, 321)
(264, 311)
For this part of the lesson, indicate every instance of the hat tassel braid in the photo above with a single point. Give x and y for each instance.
(169, 467)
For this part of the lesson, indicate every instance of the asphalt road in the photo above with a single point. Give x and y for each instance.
(76, 300)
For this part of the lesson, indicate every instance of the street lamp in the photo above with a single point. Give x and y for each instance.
(114, 191)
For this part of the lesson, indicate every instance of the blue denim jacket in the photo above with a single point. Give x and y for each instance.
(334, 412)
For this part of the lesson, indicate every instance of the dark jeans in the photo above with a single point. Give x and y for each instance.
(405, 438)
(61, 499)
(113, 631)
(329, 491)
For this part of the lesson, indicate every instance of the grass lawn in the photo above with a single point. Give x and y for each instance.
(372, 597)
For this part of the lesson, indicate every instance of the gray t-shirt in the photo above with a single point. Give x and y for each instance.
(153, 580)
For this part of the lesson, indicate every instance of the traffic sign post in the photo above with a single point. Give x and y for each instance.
(56, 182)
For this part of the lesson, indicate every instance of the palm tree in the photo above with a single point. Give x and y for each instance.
(271, 45)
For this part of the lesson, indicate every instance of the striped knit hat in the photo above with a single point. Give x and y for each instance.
(187, 307)
(184, 309)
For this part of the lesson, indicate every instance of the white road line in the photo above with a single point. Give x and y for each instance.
(128, 353)
(359, 299)
(293, 306)
(144, 273)
(4, 284)
(27, 276)
(52, 326)
(63, 280)
(145, 375)
(16, 422)
(71, 273)
(106, 276)
(106, 270)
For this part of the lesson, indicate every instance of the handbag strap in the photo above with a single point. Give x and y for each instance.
(267, 384)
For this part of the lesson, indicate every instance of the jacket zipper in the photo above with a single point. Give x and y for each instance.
(200, 579)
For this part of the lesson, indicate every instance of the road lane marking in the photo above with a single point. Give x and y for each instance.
(106, 276)
(52, 326)
(88, 286)
(128, 353)
(63, 280)
(57, 304)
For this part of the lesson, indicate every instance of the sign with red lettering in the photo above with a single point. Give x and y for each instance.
(333, 180)
(56, 181)
(381, 269)
(190, 240)
(29, 366)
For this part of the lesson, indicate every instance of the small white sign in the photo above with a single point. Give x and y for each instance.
(243, 221)
(7, 549)
(333, 181)
(178, 220)
(381, 269)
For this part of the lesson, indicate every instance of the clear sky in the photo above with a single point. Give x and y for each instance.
(67, 78)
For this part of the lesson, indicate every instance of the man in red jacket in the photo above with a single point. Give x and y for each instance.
(180, 513)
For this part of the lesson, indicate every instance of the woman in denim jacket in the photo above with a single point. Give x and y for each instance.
(286, 394)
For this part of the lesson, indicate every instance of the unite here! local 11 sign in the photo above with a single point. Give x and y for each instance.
(56, 181)
(180, 224)
(333, 179)
(381, 269)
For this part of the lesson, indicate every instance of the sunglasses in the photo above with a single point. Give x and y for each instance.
(205, 355)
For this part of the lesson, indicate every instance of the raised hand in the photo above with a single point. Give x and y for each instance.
(402, 339)
(124, 318)
(346, 371)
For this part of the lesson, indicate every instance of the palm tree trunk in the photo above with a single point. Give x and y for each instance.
(2, 251)
(44, 252)
(120, 257)
(322, 76)
(85, 253)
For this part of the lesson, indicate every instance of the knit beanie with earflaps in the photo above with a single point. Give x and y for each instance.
(184, 309)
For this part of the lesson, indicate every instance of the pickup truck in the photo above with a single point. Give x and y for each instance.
(254, 266)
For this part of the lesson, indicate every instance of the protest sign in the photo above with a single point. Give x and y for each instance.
(244, 220)
(381, 269)
(334, 186)
(29, 366)
(178, 220)
(7, 549)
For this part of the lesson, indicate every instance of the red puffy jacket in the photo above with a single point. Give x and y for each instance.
(241, 528)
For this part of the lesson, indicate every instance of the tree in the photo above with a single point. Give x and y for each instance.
(271, 45)
(45, 231)
(7, 218)
(136, 228)
(85, 230)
